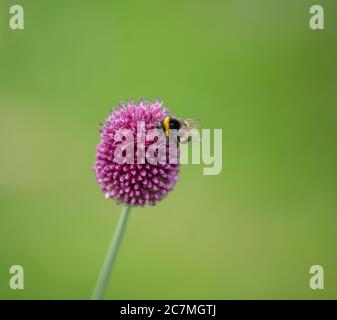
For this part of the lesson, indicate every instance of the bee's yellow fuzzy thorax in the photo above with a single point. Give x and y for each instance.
(166, 124)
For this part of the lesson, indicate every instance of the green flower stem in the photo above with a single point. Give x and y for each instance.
(110, 258)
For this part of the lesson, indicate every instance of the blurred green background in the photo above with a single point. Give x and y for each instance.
(253, 68)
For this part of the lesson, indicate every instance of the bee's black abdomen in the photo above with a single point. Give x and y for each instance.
(174, 124)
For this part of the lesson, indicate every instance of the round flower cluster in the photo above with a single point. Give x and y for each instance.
(133, 184)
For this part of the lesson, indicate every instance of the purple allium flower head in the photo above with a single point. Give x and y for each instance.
(133, 184)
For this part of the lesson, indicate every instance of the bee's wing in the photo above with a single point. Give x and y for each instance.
(190, 125)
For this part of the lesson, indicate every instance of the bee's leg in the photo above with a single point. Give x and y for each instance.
(178, 142)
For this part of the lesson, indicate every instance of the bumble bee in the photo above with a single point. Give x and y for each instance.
(184, 126)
